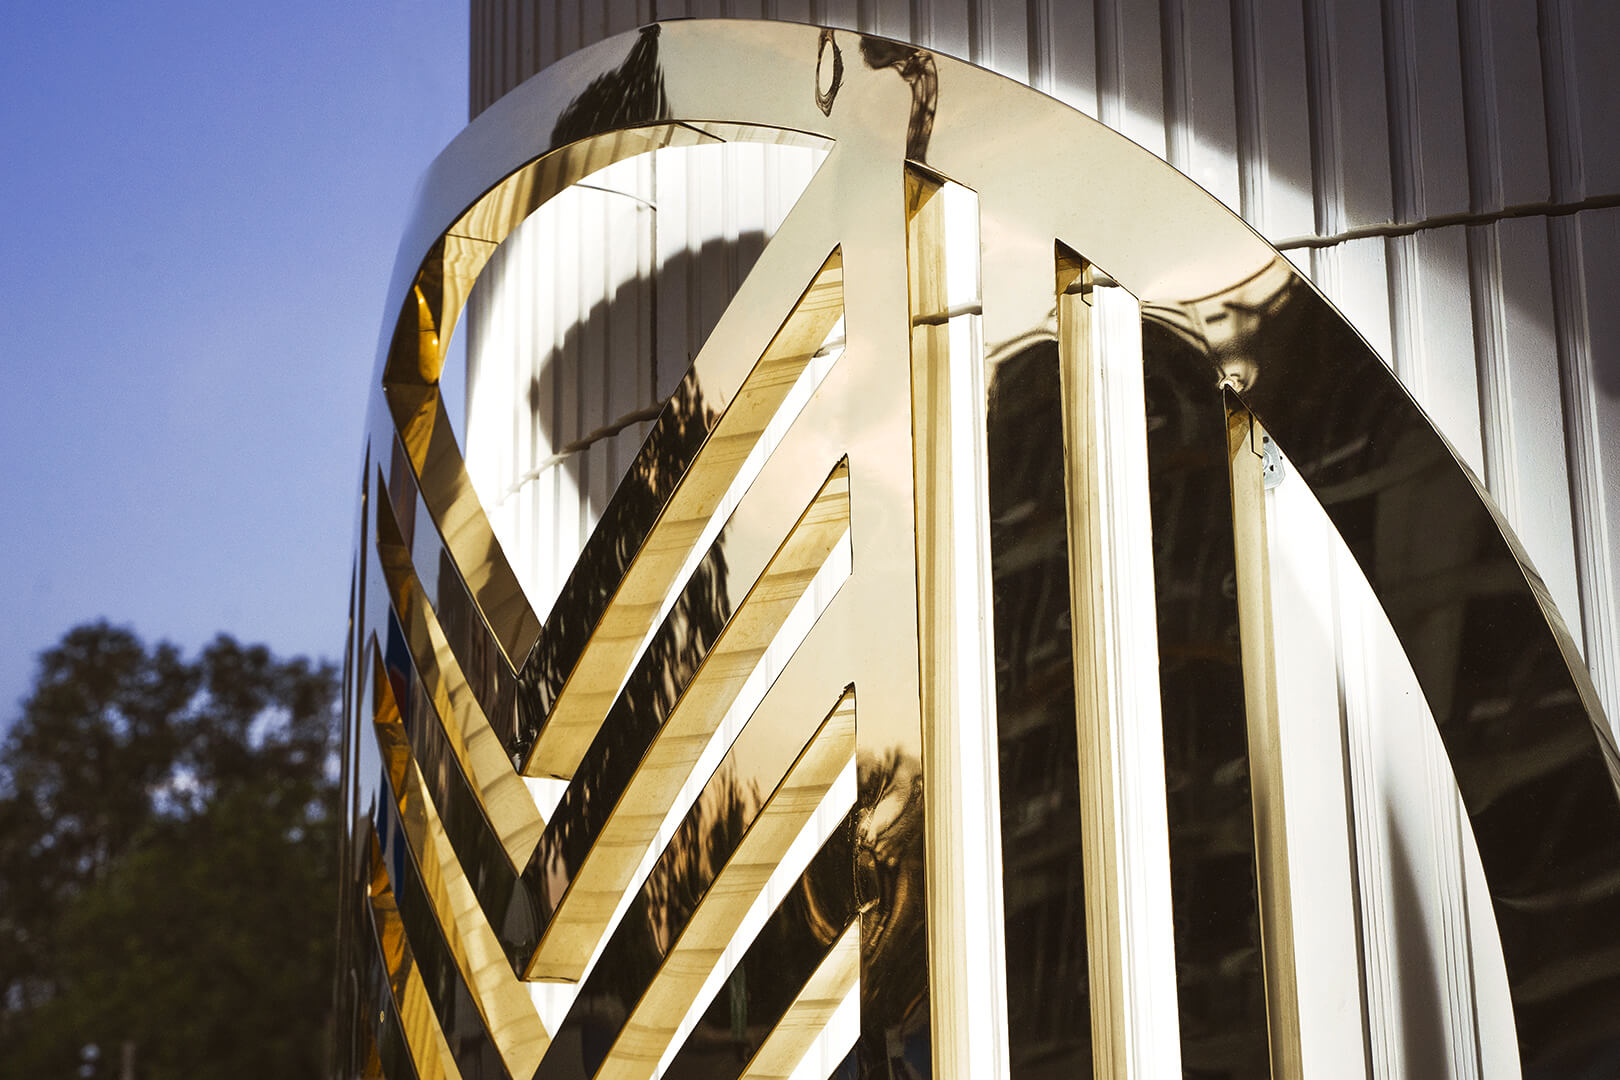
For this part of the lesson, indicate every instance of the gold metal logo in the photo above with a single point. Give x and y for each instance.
(860, 540)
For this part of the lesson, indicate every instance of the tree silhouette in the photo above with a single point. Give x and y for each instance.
(167, 832)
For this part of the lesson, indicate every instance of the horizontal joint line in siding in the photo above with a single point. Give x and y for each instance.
(579, 445)
(1444, 221)
(648, 203)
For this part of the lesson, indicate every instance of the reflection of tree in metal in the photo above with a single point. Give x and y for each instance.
(789, 946)
(633, 93)
(888, 890)
(916, 67)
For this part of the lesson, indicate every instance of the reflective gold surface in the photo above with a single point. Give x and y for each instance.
(579, 695)
(1080, 379)
(1253, 581)
(823, 992)
(614, 643)
(587, 886)
(647, 1032)
(1049, 816)
(501, 999)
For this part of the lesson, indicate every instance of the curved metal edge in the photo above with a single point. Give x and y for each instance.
(1334, 407)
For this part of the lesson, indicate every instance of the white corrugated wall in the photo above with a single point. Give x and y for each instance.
(1446, 170)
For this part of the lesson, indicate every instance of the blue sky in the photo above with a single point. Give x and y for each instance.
(201, 203)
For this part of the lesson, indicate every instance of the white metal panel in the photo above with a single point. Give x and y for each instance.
(1316, 787)
(1351, 114)
(1507, 122)
(1273, 122)
(1200, 109)
(842, 13)
(1525, 466)
(1434, 346)
(1592, 413)
(1068, 52)
(1355, 276)
(1594, 32)
(1431, 71)
(792, 10)
(1003, 37)
(1130, 94)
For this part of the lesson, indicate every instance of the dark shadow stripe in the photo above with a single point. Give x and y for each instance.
(1043, 879)
(1215, 902)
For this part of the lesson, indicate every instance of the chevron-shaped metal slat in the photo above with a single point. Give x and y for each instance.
(640, 748)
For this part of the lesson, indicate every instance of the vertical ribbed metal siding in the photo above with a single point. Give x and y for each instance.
(1445, 173)
(586, 318)
(1321, 118)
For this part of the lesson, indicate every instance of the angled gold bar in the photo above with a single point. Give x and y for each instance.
(414, 1005)
(503, 1003)
(647, 1033)
(615, 643)
(478, 844)
(430, 444)
(483, 662)
(779, 1056)
(502, 795)
(593, 889)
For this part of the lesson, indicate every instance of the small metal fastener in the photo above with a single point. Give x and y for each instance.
(1271, 463)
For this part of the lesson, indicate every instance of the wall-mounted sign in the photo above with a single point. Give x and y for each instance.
(867, 549)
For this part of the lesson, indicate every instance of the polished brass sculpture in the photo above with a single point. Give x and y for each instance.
(460, 893)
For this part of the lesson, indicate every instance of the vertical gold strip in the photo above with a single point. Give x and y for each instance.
(1265, 740)
(501, 793)
(930, 361)
(1080, 379)
(945, 597)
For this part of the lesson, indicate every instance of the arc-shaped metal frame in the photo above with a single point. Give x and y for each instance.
(1533, 754)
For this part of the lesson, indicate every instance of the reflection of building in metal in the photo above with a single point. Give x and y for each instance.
(1138, 836)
